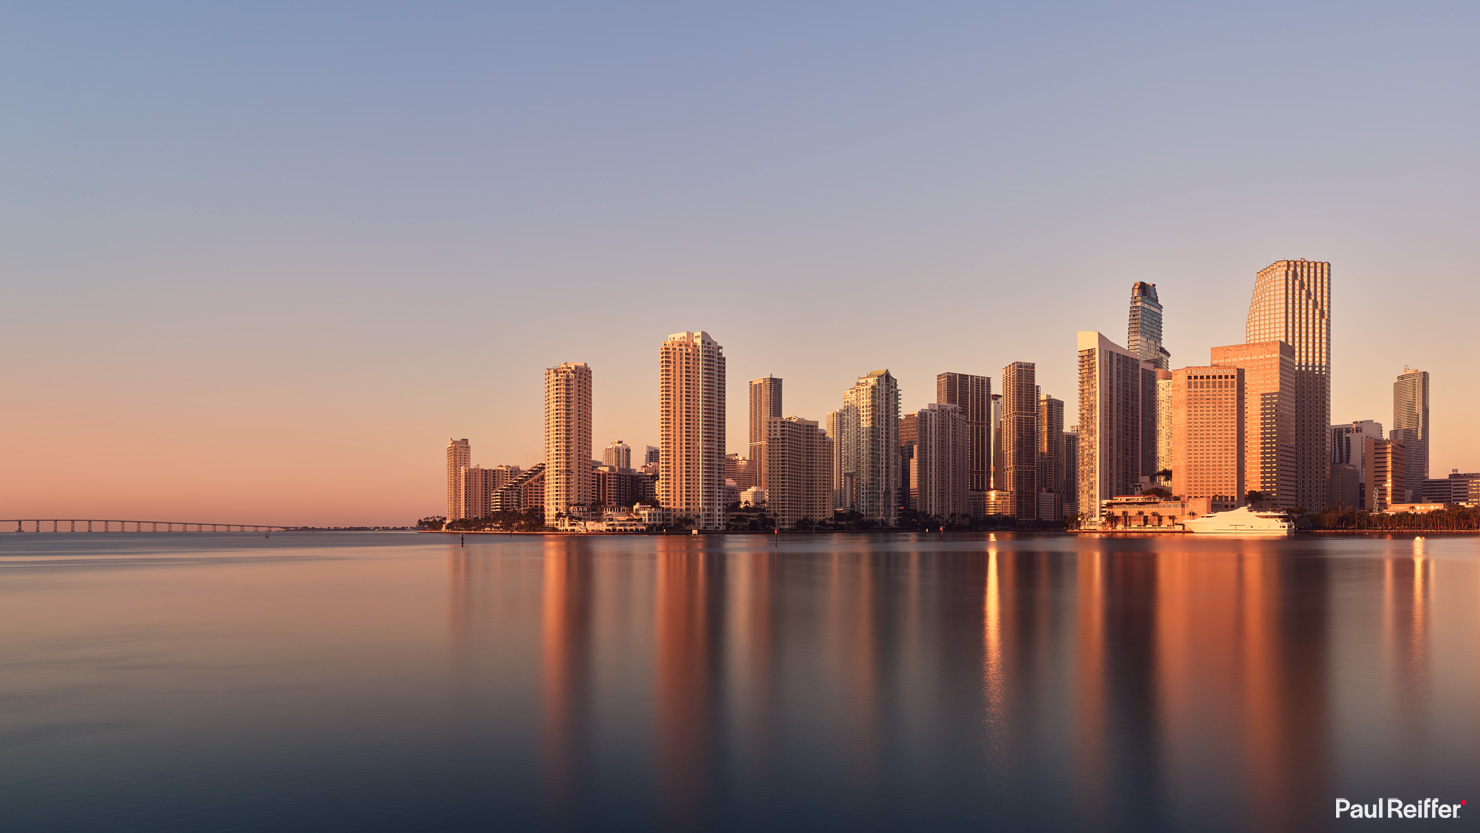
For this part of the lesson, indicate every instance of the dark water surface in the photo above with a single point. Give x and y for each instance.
(374, 682)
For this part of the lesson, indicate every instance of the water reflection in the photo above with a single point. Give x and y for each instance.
(1142, 685)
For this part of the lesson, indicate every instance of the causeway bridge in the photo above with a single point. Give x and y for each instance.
(49, 525)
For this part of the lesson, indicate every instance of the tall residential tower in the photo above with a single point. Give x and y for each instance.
(1114, 386)
(568, 477)
(973, 395)
(459, 457)
(765, 403)
(691, 428)
(869, 437)
(1020, 437)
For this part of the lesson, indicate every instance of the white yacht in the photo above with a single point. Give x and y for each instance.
(1240, 521)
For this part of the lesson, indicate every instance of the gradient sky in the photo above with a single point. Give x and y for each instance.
(261, 261)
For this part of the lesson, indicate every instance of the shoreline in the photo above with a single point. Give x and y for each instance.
(958, 533)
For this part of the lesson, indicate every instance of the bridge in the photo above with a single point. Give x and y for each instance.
(96, 525)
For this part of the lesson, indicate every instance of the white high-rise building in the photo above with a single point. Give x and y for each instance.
(800, 458)
(618, 455)
(459, 457)
(567, 439)
(691, 428)
(1292, 303)
(870, 440)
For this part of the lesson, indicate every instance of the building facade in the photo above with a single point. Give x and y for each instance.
(480, 485)
(459, 457)
(691, 428)
(841, 482)
(1144, 339)
(801, 471)
(1113, 387)
(1020, 437)
(1269, 417)
(740, 470)
(617, 455)
(1411, 426)
(1348, 448)
(1292, 303)
(1386, 467)
(1053, 478)
(870, 440)
(999, 473)
(1071, 473)
(909, 436)
(941, 465)
(1163, 420)
(765, 404)
(973, 395)
(567, 438)
(1208, 422)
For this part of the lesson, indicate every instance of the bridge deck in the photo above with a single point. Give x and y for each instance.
(50, 525)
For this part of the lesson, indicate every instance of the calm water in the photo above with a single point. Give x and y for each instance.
(395, 682)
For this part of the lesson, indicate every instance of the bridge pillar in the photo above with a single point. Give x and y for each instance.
(74, 526)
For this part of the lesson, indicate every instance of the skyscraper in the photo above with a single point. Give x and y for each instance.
(1020, 437)
(909, 436)
(459, 457)
(1071, 472)
(618, 455)
(1411, 426)
(973, 395)
(1269, 417)
(1113, 387)
(1385, 469)
(1208, 422)
(1144, 341)
(765, 403)
(1052, 477)
(841, 482)
(1292, 303)
(1163, 420)
(941, 464)
(870, 439)
(1348, 448)
(568, 479)
(691, 428)
(999, 473)
(801, 471)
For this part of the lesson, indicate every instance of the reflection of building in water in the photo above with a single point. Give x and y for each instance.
(687, 663)
(565, 676)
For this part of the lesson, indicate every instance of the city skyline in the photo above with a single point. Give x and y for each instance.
(263, 257)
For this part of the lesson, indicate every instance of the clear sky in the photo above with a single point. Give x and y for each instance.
(261, 260)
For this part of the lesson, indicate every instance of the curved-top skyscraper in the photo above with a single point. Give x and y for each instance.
(1292, 303)
(1144, 340)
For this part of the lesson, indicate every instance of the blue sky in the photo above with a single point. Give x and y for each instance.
(375, 225)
